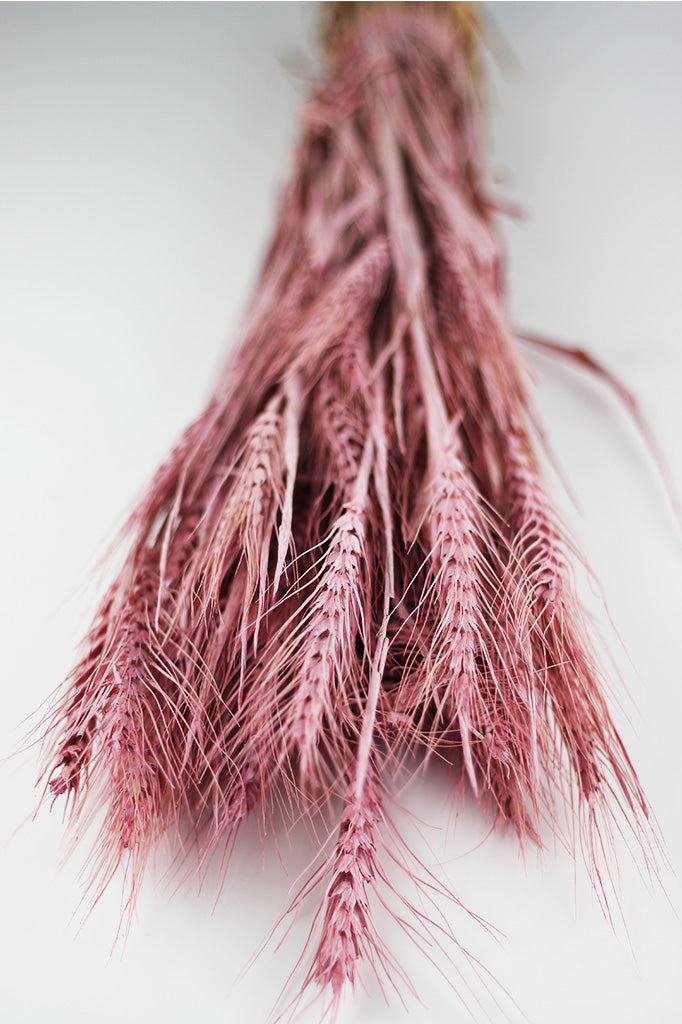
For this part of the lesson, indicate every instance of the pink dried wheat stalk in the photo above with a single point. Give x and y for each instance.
(350, 556)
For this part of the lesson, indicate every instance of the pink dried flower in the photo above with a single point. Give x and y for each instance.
(349, 556)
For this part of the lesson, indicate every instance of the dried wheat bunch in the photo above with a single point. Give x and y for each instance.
(350, 559)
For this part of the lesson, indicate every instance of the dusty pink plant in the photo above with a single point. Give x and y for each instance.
(349, 557)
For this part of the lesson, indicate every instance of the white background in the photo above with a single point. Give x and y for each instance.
(140, 152)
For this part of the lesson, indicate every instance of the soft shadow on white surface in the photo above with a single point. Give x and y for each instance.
(141, 151)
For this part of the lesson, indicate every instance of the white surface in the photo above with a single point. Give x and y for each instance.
(140, 150)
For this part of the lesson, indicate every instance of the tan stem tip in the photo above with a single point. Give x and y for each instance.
(338, 16)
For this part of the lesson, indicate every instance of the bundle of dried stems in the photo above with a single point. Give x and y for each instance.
(349, 558)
